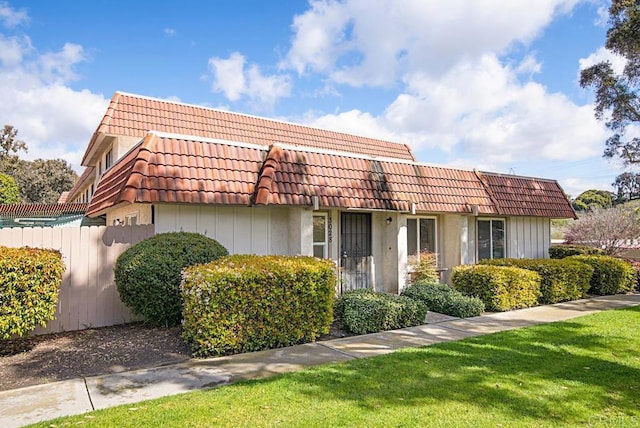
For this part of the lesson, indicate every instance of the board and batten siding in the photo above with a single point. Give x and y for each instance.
(241, 230)
(528, 237)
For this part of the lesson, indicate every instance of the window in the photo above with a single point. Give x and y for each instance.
(491, 239)
(421, 237)
(131, 219)
(320, 241)
(108, 159)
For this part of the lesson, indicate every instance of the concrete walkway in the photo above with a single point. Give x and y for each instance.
(23, 406)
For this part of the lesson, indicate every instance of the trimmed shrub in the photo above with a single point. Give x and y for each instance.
(610, 275)
(562, 251)
(444, 299)
(366, 311)
(635, 264)
(29, 282)
(500, 288)
(148, 274)
(246, 303)
(560, 280)
(9, 192)
(425, 268)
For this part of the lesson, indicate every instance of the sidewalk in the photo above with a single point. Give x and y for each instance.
(23, 406)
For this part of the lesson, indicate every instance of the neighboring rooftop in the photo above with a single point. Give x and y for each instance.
(170, 168)
(135, 115)
(30, 215)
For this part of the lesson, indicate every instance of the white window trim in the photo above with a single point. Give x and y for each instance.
(129, 216)
(504, 221)
(325, 244)
(435, 234)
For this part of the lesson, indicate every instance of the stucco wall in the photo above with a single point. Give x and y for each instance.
(143, 211)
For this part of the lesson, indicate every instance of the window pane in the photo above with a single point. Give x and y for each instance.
(318, 251)
(412, 236)
(319, 228)
(484, 239)
(427, 235)
(497, 232)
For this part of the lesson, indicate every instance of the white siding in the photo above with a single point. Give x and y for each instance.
(242, 230)
(528, 237)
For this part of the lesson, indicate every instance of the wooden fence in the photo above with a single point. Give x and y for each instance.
(88, 295)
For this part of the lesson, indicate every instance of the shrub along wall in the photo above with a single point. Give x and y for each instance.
(148, 274)
(560, 280)
(444, 299)
(247, 303)
(29, 283)
(610, 275)
(562, 251)
(366, 311)
(500, 288)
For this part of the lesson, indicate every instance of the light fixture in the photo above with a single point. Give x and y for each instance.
(389, 220)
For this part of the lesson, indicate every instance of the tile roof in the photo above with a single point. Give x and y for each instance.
(135, 115)
(186, 169)
(519, 196)
(86, 174)
(34, 210)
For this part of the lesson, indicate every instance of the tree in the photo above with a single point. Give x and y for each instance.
(9, 144)
(617, 95)
(40, 181)
(605, 228)
(627, 187)
(9, 193)
(592, 198)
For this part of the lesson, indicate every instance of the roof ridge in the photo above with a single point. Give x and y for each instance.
(526, 177)
(281, 121)
(163, 134)
(489, 191)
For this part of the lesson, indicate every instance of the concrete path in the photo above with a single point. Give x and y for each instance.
(23, 406)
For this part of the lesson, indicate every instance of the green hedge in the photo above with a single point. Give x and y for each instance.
(148, 274)
(444, 299)
(248, 303)
(560, 280)
(610, 275)
(562, 251)
(29, 283)
(500, 288)
(366, 311)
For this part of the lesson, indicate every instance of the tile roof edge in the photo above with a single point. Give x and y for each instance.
(489, 191)
(186, 137)
(525, 177)
(106, 119)
(182, 103)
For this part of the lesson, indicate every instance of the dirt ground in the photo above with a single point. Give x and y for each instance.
(59, 356)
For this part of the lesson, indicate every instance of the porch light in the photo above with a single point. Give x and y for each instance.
(389, 220)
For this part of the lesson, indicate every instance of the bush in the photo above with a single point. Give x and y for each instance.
(366, 311)
(29, 283)
(9, 192)
(635, 264)
(425, 268)
(562, 251)
(247, 303)
(500, 288)
(148, 274)
(560, 280)
(444, 299)
(610, 275)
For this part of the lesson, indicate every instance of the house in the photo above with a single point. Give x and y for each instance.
(268, 187)
(46, 215)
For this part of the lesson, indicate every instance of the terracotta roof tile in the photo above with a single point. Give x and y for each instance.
(86, 175)
(185, 169)
(134, 115)
(23, 210)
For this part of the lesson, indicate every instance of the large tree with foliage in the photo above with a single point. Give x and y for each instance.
(592, 198)
(39, 181)
(605, 228)
(617, 95)
(627, 187)
(9, 193)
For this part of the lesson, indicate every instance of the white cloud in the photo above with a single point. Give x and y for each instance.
(10, 17)
(235, 80)
(52, 118)
(169, 32)
(359, 42)
(603, 54)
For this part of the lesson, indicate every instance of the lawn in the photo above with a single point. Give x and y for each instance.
(580, 372)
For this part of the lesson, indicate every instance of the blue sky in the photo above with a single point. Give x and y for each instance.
(488, 84)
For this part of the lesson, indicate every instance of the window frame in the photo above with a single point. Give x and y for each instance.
(129, 216)
(411, 258)
(504, 231)
(325, 243)
(108, 159)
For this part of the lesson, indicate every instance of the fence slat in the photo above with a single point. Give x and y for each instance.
(88, 296)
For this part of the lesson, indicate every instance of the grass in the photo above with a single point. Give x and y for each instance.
(580, 372)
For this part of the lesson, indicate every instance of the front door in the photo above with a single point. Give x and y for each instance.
(356, 260)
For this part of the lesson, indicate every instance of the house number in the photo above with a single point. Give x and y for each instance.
(330, 230)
